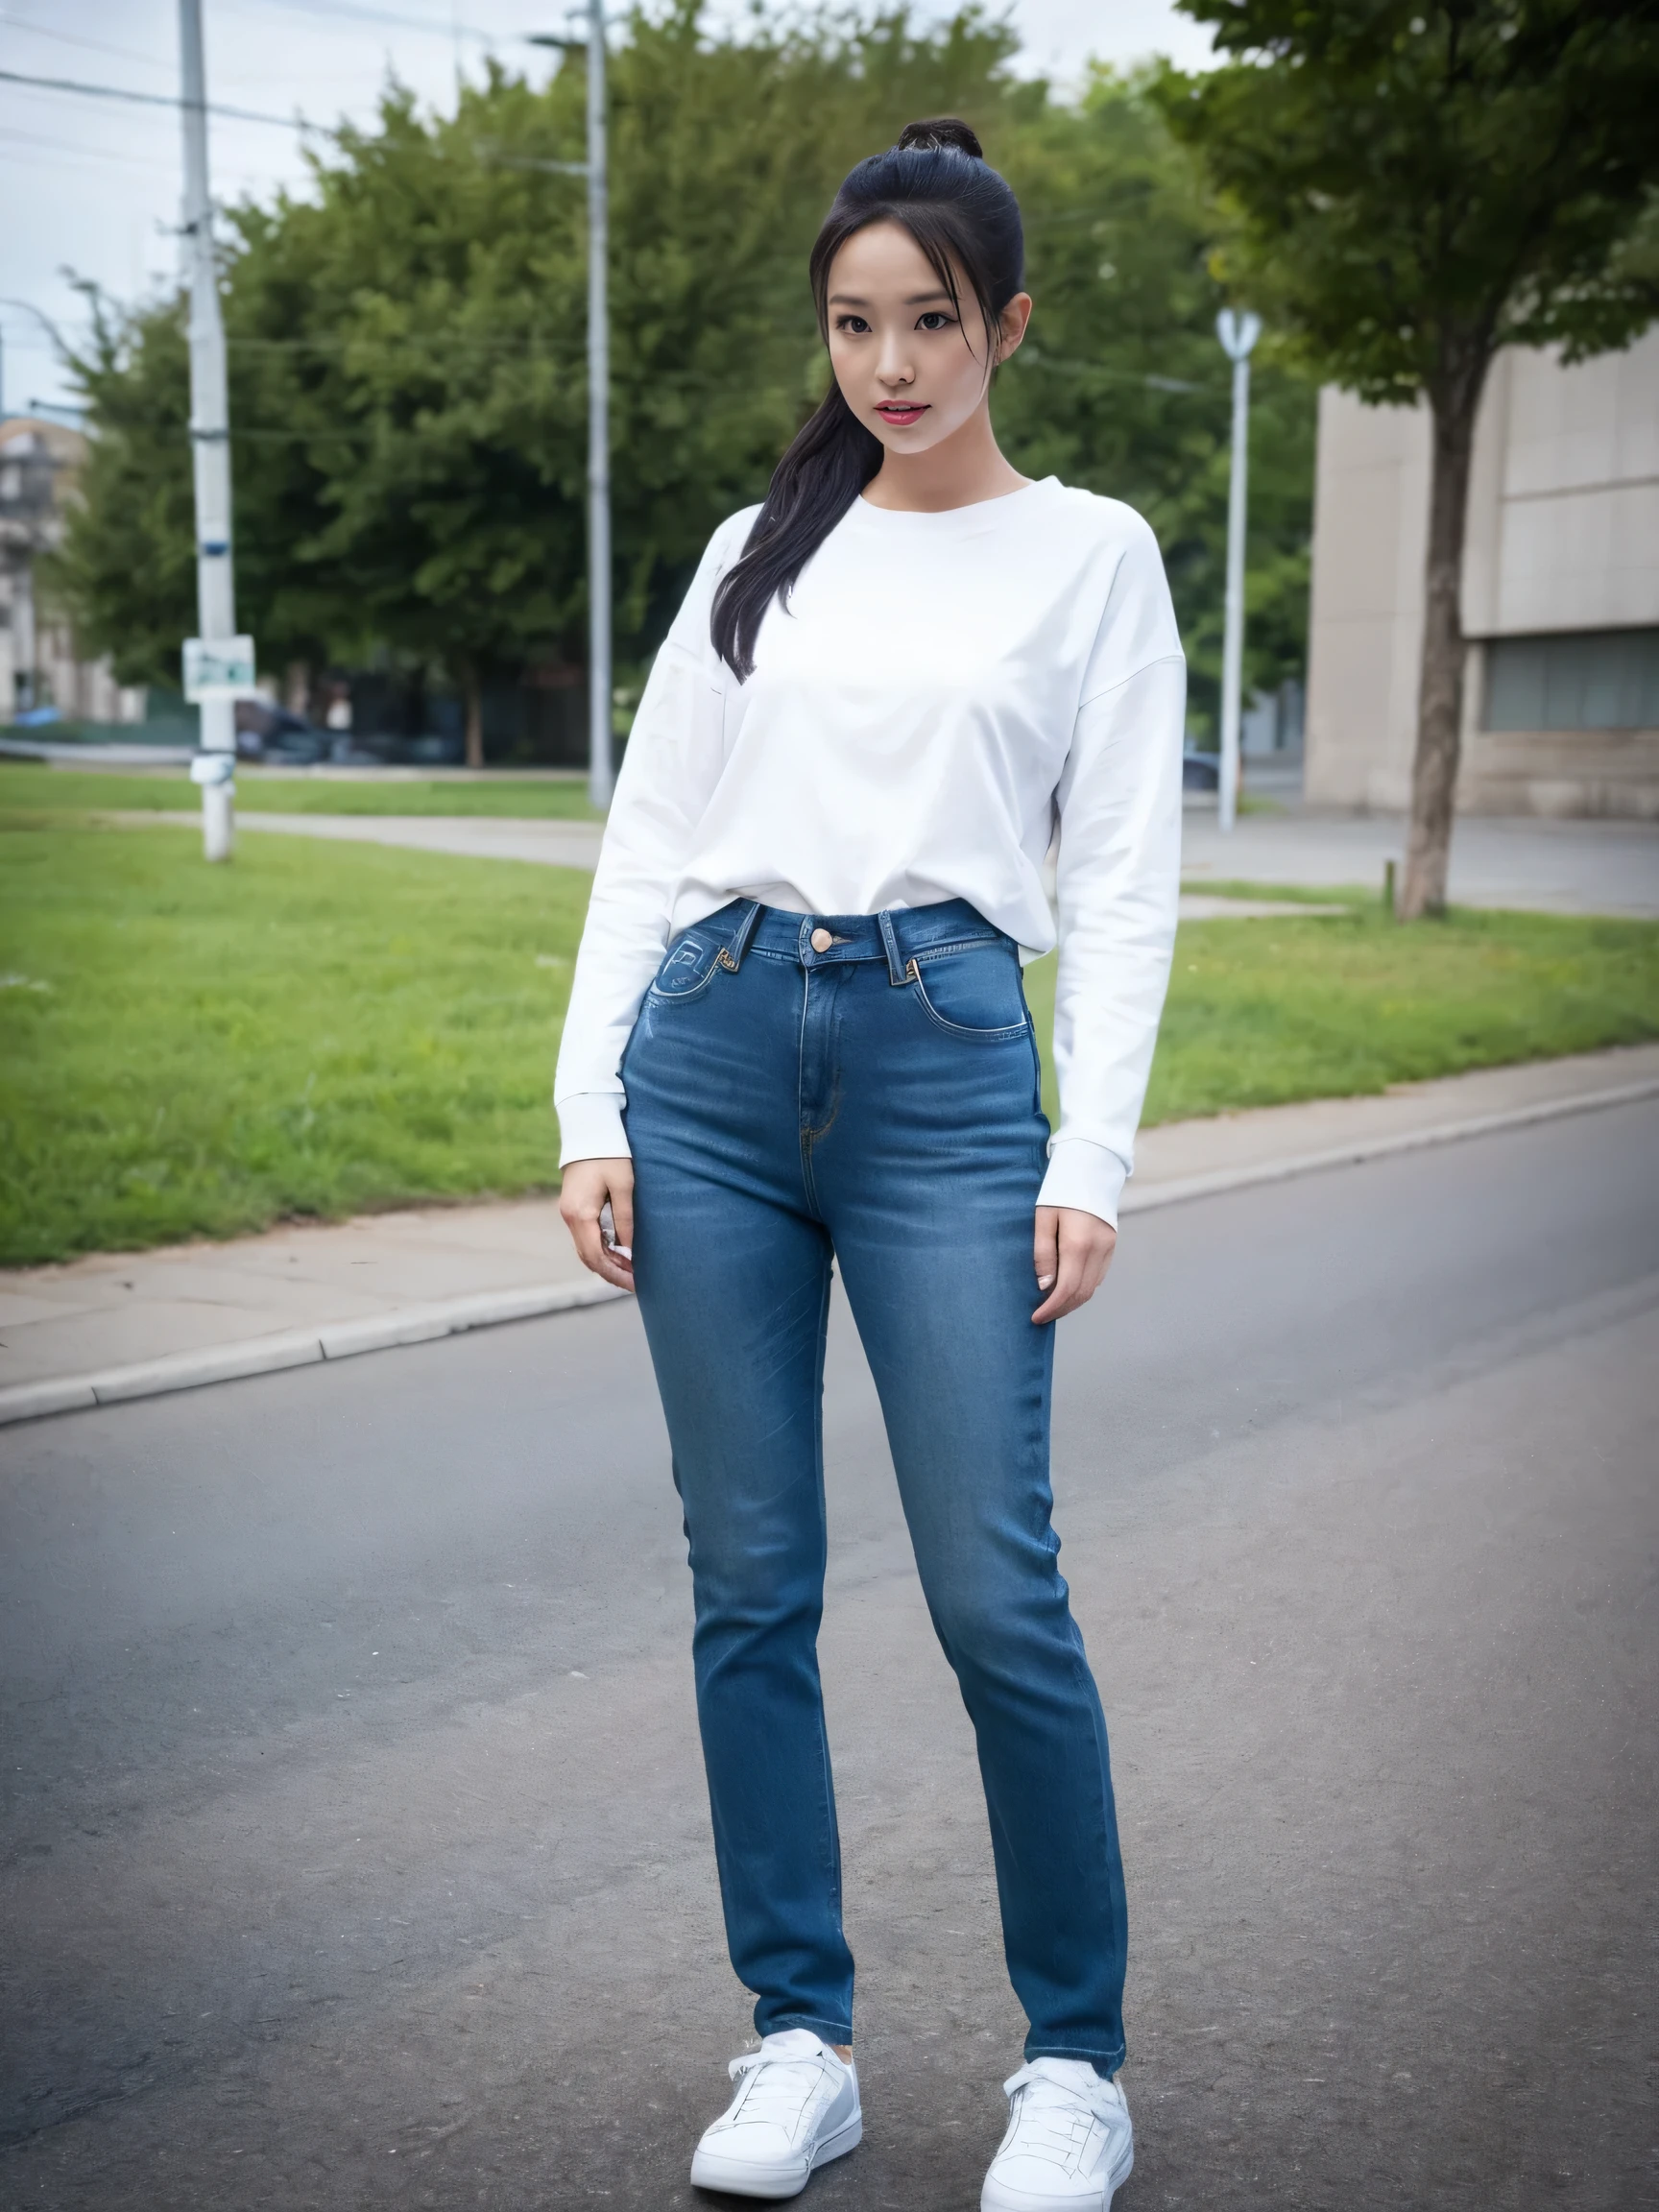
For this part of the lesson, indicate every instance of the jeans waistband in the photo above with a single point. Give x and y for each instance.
(898, 935)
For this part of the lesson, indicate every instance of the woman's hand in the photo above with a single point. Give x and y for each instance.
(589, 1185)
(1072, 1252)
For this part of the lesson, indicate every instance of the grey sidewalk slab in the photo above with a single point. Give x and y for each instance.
(113, 1310)
(114, 1326)
(1233, 1142)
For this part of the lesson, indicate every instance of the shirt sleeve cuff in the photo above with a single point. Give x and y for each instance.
(1084, 1176)
(590, 1127)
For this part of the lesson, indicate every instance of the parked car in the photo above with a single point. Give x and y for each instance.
(267, 732)
(1200, 771)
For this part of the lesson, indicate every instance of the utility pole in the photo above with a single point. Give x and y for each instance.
(1238, 334)
(210, 450)
(600, 777)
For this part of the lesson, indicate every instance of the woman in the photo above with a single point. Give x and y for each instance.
(797, 1031)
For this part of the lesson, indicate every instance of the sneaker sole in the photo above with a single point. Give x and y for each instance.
(742, 2177)
(998, 2196)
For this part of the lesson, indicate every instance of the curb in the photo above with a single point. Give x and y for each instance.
(296, 1348)
(454, 1317)
(1380, 1147)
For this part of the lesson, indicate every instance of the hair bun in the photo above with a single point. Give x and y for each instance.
(939, 134)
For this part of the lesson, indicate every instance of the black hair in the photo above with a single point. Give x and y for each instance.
(938, 184)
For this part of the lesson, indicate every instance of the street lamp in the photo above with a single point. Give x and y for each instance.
(1238, 334)
(600, 775)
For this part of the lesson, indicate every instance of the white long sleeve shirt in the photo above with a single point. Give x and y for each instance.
(943, 692)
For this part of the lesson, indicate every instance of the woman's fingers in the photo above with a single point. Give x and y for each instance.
(589, 1186)
(1083, 1248)
(1065, 1296)
(622, 1212)
(605, 1261)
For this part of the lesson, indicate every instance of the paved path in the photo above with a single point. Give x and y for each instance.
(473, 836)
(353, 1819)
(1560, 867)
(1557, 867)
(128, 1325)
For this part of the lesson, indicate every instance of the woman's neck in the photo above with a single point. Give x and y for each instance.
(960, 471)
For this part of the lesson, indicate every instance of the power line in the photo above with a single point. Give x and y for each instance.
(171, 100)
(159, 100)
(91, 45)
(29, 138)
(332, 11)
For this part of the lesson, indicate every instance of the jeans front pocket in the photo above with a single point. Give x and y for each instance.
(972, 991)
(688, 967)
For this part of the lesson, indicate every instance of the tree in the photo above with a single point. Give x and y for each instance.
(127, 568)
(1413, 184)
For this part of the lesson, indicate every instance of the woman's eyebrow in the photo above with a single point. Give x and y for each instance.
(912, 300)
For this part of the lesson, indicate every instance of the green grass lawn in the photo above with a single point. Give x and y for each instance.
(28, 787)
(322, 1028)
(1266, 1011)
(316, 1029)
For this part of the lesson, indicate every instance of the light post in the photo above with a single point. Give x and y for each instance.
(601, 777)
(1237, 333)
(219, 657)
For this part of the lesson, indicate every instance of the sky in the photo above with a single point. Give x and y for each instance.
(90, 188)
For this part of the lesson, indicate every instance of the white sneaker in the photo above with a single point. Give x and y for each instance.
(1070, 2143)
(796, 2108)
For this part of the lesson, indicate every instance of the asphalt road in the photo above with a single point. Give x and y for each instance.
(355, 1852)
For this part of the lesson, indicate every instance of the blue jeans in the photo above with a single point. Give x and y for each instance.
(876, 1101)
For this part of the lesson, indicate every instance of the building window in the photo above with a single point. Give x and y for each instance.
(1596, 680)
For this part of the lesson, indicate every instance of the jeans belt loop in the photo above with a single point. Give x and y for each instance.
(899, 971)
(732, 954)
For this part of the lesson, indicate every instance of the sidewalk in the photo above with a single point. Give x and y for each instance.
(102, 1330)
(1566, 867)
(1553, 867)
(553, 843)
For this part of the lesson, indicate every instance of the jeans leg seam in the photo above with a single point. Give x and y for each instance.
(832, 1837)
(803, 1136)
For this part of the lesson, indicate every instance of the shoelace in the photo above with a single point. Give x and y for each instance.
(1052, 2120)
(777, 2086)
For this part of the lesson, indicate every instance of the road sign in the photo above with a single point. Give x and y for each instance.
(219, 668)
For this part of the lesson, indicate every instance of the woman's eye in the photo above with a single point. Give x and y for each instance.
(935, 319)
(854, 324)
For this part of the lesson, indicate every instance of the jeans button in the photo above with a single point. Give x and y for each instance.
(820, 940)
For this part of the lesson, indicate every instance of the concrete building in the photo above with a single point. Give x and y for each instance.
(1561, 594)
(39, 663)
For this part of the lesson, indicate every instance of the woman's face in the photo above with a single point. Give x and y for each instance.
(911, 368)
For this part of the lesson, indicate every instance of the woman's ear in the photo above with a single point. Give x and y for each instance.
(1011, 326)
